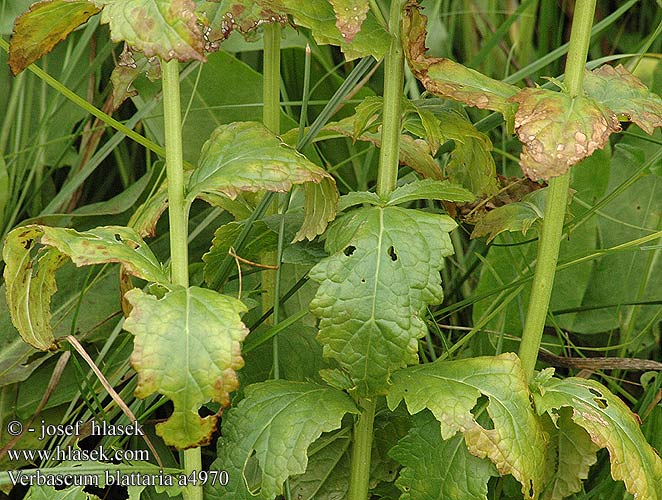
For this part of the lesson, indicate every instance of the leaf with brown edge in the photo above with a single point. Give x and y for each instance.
(247, 157)
(610, 424)
(186, 347)
(558, 131)
(350, 15)
(625, 95)
(515, 442)
(30, 275)
(129, 67)
(43, 26)
(570, 455)
(447, 78)
(164, 28)
(245, 16)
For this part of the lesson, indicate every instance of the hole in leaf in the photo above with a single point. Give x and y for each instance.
(117, 237)
(392, 254)
(349, 250)
(28, 243)
(480, 414)
(362, 280)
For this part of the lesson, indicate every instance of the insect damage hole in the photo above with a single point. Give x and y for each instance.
(349, 250)
(392, 254)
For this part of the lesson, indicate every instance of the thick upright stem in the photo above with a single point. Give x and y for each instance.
(177, 215)
(361, 450)
(271, 70)
(389, 155)
(175, 171)
(387, 178)
(557, 199)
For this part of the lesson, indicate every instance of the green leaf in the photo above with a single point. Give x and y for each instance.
(559, 131)
(570, 455)
(437, 469)
(43, 26)
(245, 156)
(623, 93)
(450, 389)
(354, 198)
(611, 425)
(430, 189)
(382, 272)
(517, 216)
(164, 28)
(29, 291)
(350, 15)
(470, 164)
(318, 15)
(449, 79)
(327, 472)
(186, 347)
(276, 423)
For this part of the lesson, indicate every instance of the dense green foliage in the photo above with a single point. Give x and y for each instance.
(382, 219)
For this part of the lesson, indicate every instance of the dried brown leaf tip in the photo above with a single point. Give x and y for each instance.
(447, 78)
(625, 95)
(559, 131)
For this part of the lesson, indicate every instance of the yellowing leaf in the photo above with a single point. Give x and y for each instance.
(625, 95)
(164, 28)
(186, 347)
(246, 156)
(350, 14)
(610, 424)
(275, 423)
(31, 280)
(446, 78)
(41, 28)
(559, 131)
(383, 271)
(450, 389)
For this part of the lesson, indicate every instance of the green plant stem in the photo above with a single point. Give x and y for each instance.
(361, 450)
(177, 217)
(389, 155)
(387, 178)
(271, 85)
(557, 200)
